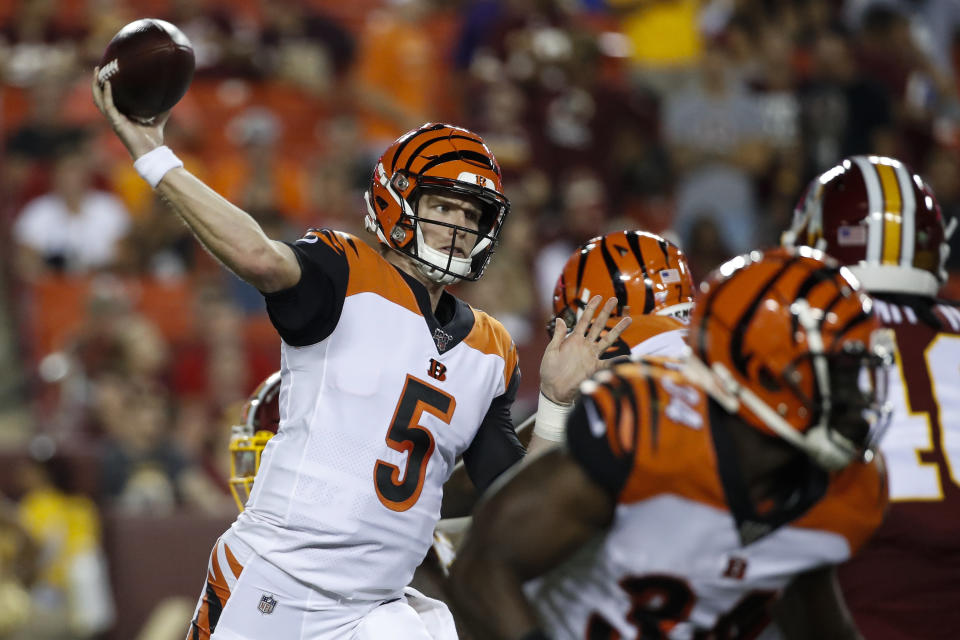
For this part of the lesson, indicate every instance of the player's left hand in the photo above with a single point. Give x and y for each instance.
(571, 358)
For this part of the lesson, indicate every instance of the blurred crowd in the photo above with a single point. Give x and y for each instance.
(697, 119)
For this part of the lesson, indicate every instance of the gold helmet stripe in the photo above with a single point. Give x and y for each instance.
(909, 221)
(892, 213)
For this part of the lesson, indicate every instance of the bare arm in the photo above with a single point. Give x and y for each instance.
(812, 607)
(542, 514)
(226, 231)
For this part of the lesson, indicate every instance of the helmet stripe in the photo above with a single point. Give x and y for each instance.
(581, 268)
(467, 155)
(737, 356)
(875, 212)
(614, 271)
(418, 152)
(634, 241)
(892, 213)
(909, 220)
(413, 134)
(666, 254)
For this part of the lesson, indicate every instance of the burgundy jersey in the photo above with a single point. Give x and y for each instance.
(905, 584)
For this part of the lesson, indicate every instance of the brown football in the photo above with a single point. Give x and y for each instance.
(149, 64)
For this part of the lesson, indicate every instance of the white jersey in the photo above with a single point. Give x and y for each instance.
(372, 419)
(687, 554)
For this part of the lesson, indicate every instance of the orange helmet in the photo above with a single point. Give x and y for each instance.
(877, 216)
(792, 347)
(444, 158)
(258, 423)
(641, 270)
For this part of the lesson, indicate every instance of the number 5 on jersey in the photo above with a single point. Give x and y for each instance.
(397, 489)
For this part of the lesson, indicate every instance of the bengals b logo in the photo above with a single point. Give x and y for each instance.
(437, 370)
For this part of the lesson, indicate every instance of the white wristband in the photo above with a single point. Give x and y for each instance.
(551, 419)
(154, 164)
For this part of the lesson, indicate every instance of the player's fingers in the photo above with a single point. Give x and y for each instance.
(559, 330)
(600, 322)
(106, 103)
(96, 89)
(611, 336)
(583, 322)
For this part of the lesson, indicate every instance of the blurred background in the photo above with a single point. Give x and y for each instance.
(126, 351)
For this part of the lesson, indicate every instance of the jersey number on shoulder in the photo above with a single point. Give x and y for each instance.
(659, 602)
(399, 489)
(911, 476)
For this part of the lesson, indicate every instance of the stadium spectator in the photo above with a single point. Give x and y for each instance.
(75, 228)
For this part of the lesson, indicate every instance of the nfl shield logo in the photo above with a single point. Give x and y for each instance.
(267, 603)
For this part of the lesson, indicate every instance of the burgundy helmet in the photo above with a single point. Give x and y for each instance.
(875, 215)
(259, 422)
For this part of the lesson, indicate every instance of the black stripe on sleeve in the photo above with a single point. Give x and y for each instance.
(309, 311)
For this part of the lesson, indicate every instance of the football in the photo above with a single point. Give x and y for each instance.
(149, 64)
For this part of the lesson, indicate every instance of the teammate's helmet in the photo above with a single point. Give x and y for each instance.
(444, 158)
(641, 270)
(258, 423)
(793, 348)
(875, 215)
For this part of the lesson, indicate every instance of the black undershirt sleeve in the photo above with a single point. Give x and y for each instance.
(309, 311)
(593, 451)
(496, 447)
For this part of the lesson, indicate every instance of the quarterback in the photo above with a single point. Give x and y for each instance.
(385, 380)
(696, 502)
(878, 217)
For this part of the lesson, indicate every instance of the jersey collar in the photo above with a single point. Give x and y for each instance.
(445, 335)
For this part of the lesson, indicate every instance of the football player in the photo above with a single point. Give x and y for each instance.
(650, 279)
(879, 218)
(386, 379)
(690, 503)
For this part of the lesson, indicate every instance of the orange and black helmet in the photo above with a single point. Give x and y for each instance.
(875, 215)
(447, 159)
(259, 422)
(796, 351)
(644, 272)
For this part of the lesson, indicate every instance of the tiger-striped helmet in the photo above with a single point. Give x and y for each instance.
(258, 423)
(641, 270)
(792, 347)
(448, 159)
(875, 215)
